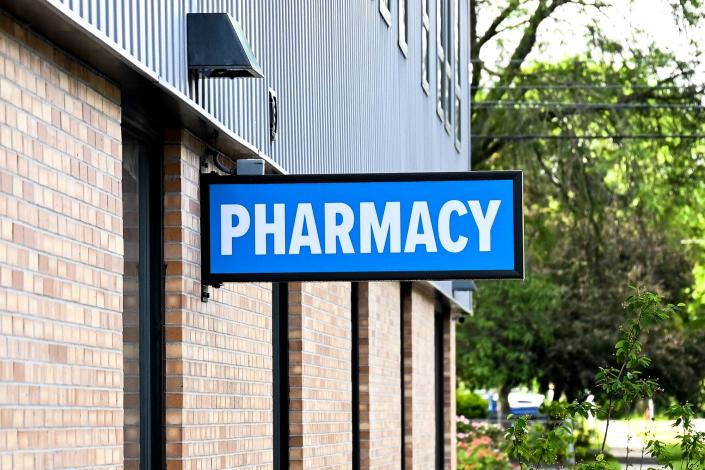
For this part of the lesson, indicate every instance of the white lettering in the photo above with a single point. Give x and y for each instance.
(304, 218)
(419, 213)
(227, 230)
(370, 227)
(453, 246)
(484, 222)
(275, 228)
(335, 231)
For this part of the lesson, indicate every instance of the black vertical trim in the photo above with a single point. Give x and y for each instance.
(280, 374)
(145, 276)
(151, 272)
(157, 416)
(355, 372)
(404, 316)
(439, 397)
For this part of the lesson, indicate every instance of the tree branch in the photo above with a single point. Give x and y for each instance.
(523, 49)
(492, 30)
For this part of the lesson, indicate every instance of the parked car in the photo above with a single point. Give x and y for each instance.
(520, 403)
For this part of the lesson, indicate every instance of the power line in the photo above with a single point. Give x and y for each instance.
(588, 136)
(642, 60)
(559, 105)
(574, 86)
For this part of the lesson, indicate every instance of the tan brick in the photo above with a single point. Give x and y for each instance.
(60, 345)
(320, 375)
(219, 354)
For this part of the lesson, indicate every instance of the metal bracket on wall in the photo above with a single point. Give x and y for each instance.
(204, 164)
(205, 293)
(246, 166)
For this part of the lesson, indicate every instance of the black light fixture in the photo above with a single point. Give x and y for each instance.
(217, 47)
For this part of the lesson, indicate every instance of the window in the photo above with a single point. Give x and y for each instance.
(405, 372)
(403, 26)
(425, 43)
(355, 371)
(439, 388)
(443, 70)
(280, 373)
(385, 9)
(458, 87)
(143, 311)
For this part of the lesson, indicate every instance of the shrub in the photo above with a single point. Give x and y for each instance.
(479, 446)
(469, 404)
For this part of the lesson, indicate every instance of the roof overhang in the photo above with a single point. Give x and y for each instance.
(72, 33)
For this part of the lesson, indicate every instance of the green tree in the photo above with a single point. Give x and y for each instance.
(612, 149)
(502, 347)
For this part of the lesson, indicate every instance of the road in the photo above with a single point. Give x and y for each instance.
(626, 439)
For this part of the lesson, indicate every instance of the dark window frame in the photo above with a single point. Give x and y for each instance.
(151, 274)
(405, 292)
(425, 46)
(458, 102)
(439, 385)
(280, 374)
(355, 371)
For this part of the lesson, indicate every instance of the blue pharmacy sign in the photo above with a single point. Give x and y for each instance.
(362, 227)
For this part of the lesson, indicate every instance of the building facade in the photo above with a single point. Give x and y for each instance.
(112, 353)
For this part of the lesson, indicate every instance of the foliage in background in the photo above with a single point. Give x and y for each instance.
(619, 385)
(614, 197)
(470, 404)
(501, 345)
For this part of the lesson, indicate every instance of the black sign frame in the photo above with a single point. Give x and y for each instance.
(208, 278)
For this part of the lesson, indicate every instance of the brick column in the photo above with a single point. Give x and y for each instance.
(218, 354)
(320, 395)
(380, 375)
(420, 424)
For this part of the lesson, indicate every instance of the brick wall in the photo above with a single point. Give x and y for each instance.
(61, 259)
(218, 354)
(420, 424)
(380, 375)
(320, 395)
(64, 319)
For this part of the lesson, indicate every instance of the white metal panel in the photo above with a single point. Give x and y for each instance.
(350, 101)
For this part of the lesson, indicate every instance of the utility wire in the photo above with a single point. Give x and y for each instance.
(587, 136)
(643, 60)
(573, 86)
(556, 104)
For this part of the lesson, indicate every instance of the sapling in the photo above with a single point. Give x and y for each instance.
(615, 387)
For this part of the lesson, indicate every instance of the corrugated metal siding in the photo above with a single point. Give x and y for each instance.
(349, 100)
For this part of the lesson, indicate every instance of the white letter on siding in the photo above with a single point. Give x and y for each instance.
(419, 213)
(227, 231)
(338, 232)
(263, 228)
(304, 217)
(484, 222)
(370, 226)
(453, 246)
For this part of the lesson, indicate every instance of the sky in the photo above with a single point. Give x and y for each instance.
(564, 35)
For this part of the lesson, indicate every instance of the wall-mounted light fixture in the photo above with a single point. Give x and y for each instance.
(217, 47)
